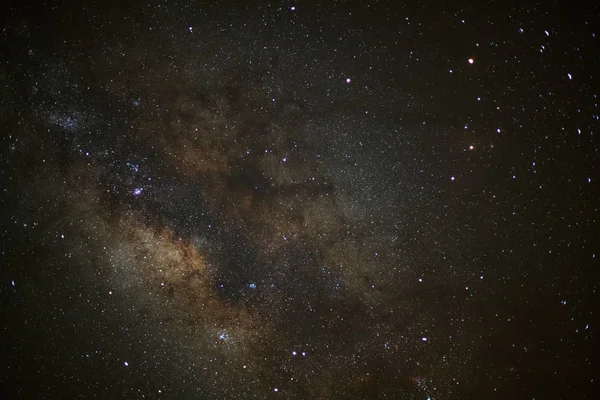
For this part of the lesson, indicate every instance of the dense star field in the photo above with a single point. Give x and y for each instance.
(299, 200)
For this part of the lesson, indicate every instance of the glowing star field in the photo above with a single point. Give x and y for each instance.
(299, 200)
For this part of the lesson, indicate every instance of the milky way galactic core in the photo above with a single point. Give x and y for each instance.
(299, 200)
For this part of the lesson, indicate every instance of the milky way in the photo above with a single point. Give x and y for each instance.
(299, 201)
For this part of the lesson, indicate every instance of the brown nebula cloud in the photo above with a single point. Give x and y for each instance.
(296, 264)
(163, 273)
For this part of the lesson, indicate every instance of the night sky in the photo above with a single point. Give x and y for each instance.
(299, 200)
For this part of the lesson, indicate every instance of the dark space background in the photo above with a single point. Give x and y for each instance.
(299, 200)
